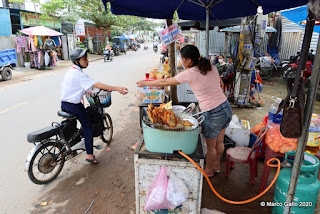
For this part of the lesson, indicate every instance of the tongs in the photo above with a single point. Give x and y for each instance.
(190, 108)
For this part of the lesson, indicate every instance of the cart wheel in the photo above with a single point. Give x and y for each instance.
(6, 73)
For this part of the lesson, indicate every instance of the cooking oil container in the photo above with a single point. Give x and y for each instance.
(308, 186)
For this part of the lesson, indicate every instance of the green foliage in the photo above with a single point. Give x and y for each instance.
(81, 45)
(94, 10)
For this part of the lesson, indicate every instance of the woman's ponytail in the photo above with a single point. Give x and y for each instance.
(192, 52)
(204, 65)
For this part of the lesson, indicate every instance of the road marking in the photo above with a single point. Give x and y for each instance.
(13, 107)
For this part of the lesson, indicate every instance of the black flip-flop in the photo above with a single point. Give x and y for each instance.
(94, 160)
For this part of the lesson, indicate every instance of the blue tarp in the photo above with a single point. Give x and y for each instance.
(298, 15)
(225, 9)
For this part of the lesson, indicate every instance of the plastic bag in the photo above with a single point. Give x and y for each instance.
(204, 144)
(177, 191)
(277, 142)
(156, 198)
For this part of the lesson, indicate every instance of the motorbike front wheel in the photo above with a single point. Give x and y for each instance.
(105, 58)
(107, 128)
(46, 163)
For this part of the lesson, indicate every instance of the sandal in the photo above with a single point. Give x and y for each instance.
(93, 160)
(210, 175)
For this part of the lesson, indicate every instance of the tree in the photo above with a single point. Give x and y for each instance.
(92, 10)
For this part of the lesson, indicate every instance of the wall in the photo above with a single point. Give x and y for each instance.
(5, 27)
(216, 42)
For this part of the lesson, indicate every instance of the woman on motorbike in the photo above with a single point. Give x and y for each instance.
(73, 87)
(204, 81)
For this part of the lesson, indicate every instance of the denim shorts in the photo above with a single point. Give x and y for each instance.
(216, 119)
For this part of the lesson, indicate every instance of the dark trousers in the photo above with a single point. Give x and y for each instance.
(86, 126)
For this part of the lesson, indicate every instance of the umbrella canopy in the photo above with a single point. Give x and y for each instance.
(40, 31)
(195, 9)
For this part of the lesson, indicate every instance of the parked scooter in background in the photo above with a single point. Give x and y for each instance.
(266, 66)
(116, 49)
(291, 68)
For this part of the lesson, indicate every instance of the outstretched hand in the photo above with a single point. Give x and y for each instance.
(122, 90)
(141, 83)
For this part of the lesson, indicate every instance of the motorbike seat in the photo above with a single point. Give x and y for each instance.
(66, 115)
(42, 134)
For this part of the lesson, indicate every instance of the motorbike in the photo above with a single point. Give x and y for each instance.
(134, 47)
(145, 47)
(266, 67)
(61, 142)
(163, 56)
(155, 48)
(108, 54)
(289, 70)
(116, 50)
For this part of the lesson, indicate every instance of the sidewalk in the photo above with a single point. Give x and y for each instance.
(61, 64)
(20, 74)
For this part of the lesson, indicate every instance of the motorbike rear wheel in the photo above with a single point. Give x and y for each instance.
(107, 128)
(266, 73)
(46, 163)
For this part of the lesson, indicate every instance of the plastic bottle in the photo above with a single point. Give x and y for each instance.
(313, 142)
(273, 117)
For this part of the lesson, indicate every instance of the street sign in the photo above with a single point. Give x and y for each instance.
(170, 34)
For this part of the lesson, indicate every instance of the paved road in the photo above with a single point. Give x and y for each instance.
(31, 105)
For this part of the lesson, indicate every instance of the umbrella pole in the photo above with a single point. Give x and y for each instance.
(172, 65)
(207, 30)
(315, 75)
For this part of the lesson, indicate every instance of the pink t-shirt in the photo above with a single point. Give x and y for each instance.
(206, 88)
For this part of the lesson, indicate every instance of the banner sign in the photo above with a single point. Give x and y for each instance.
(79, 27)
(33, 19)
(170, 34)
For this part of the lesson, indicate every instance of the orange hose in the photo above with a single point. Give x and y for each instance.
(238, 202)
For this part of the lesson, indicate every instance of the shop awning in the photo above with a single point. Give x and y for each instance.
(298, 16)
(195, 9)
(236, 29)
(201, 25)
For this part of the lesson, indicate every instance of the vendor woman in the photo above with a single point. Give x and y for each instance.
(204, 81)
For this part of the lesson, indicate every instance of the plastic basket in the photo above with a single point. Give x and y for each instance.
(101, 99)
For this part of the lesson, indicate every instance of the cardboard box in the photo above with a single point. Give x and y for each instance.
(185, 94)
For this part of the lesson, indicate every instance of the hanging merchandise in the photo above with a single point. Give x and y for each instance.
(31, 44)
(46, 58)
(22, 43)
(49, 44)
(57, 40)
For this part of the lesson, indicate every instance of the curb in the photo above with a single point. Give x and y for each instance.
(92, 60)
